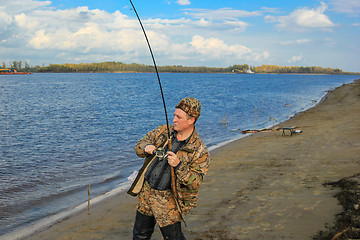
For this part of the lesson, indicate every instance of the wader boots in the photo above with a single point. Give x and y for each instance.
(173, 232)
(143, 227)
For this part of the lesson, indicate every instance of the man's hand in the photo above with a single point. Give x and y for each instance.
(150, 149)
(173, 159)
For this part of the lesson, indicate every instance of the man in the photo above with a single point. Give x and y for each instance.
(189, 158)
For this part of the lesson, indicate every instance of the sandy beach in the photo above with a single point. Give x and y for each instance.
(265, 186)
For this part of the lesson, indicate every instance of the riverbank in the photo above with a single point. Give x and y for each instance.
(266, 186)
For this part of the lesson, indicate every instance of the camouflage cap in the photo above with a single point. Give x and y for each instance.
(191, 106)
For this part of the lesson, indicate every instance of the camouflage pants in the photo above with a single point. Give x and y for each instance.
(160, 204)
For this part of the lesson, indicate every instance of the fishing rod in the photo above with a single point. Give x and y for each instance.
(173, 176)
(156, 70)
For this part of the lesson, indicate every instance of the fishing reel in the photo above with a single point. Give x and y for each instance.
(160, 153)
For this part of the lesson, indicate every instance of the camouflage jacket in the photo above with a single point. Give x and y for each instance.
(195, 160)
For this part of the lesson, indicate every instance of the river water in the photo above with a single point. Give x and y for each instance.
(61, 132)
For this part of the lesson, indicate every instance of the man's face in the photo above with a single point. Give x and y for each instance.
(182, 121)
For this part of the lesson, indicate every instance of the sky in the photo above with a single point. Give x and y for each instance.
(208, 33)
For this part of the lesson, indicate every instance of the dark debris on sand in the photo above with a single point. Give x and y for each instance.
(347, 225)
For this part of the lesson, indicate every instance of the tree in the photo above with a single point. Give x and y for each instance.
(27, 66)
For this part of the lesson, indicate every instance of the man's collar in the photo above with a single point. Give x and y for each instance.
(187, 139)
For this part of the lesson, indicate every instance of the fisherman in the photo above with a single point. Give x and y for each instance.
(189, 157)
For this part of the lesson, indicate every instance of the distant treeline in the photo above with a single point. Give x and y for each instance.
(123, 67)
(287, 69)
(104, 67)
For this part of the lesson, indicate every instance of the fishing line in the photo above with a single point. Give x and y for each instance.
(156, 70)
(173, 177)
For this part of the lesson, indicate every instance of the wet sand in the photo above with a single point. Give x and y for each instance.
(266, 186)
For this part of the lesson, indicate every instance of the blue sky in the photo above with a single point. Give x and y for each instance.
(183, 32)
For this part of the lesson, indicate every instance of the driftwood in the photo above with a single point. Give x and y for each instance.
(255, 131)
(340, 233)
(88, 190)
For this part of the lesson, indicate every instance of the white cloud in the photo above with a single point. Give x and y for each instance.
(183, 2)
(236, 25)
(346, 6)
(269, 10)
(295, 42)
(329, 42)
(303, 19)
(220, 14)
(18, 6)
(78, 29)
(208, 23)
(93, 38)
(224, 19)
(296, 59)
(159, 23)
(218, 49)
(5, 18)
(9, 10)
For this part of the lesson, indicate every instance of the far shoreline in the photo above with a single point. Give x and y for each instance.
(310, 74)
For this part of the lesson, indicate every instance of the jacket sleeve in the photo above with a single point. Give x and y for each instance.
(191, 175)
(151, 138)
